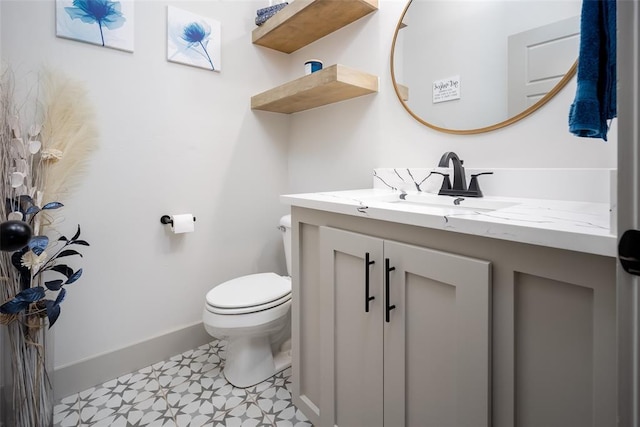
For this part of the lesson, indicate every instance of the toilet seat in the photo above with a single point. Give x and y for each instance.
(249, 294)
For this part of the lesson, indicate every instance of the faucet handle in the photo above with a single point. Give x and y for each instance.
(446, 182)
(474, 187)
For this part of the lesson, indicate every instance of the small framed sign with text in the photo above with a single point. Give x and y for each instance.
(446, 89)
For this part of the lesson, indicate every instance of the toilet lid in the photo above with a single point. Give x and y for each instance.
(249, 291)
(248, 310)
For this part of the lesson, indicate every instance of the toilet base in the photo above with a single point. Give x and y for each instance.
(250, 360)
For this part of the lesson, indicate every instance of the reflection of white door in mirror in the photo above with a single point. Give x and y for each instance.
(538, 60)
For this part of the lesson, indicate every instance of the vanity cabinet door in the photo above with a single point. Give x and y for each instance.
(428, 365)
(437, 339)
(351, 336)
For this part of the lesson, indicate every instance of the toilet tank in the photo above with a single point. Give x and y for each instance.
(285, 227)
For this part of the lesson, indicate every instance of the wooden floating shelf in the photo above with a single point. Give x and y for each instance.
(403, 91)
(304, 21)
(333, 84)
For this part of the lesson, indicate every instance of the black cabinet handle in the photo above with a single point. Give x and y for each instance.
(388, 306)
(629, 251)
(367, 298)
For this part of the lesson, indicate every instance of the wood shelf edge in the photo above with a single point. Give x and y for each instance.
(332, 84)
(403, 91)
(280, 31)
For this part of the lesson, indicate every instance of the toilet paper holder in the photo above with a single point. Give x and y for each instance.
(166, 219)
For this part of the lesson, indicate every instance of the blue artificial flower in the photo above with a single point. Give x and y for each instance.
(102, 12)
(196, 35)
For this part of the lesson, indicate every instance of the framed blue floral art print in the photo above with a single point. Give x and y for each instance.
(102, 22)
(193, 39)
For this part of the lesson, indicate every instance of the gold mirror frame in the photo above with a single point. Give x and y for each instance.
(546, 98)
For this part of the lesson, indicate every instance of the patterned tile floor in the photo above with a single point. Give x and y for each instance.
(186, 390)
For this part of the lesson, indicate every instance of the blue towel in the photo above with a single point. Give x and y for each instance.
(595, 101)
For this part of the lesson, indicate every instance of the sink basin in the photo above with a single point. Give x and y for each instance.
(447, 202)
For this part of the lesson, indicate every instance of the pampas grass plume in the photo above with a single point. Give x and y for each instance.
(69, 134)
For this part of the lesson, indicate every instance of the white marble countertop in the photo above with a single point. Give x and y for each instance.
(575, 226)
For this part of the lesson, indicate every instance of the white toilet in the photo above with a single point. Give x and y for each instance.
(253, 314)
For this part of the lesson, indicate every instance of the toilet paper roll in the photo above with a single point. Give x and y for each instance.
(183, 223)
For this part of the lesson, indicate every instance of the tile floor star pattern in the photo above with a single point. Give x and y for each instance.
(186, 390)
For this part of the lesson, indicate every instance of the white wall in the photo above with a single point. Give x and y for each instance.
(173, 139)
(336, 146)
(177, 139)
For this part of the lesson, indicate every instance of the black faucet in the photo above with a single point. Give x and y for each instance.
(459, 180)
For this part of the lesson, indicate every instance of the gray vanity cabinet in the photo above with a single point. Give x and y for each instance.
(485, 332)
(408, 328)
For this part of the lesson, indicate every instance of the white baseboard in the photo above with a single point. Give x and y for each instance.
(88, 373)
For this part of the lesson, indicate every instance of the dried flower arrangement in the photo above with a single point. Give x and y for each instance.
(38, 166)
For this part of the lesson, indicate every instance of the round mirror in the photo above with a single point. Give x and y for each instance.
(472, 66)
